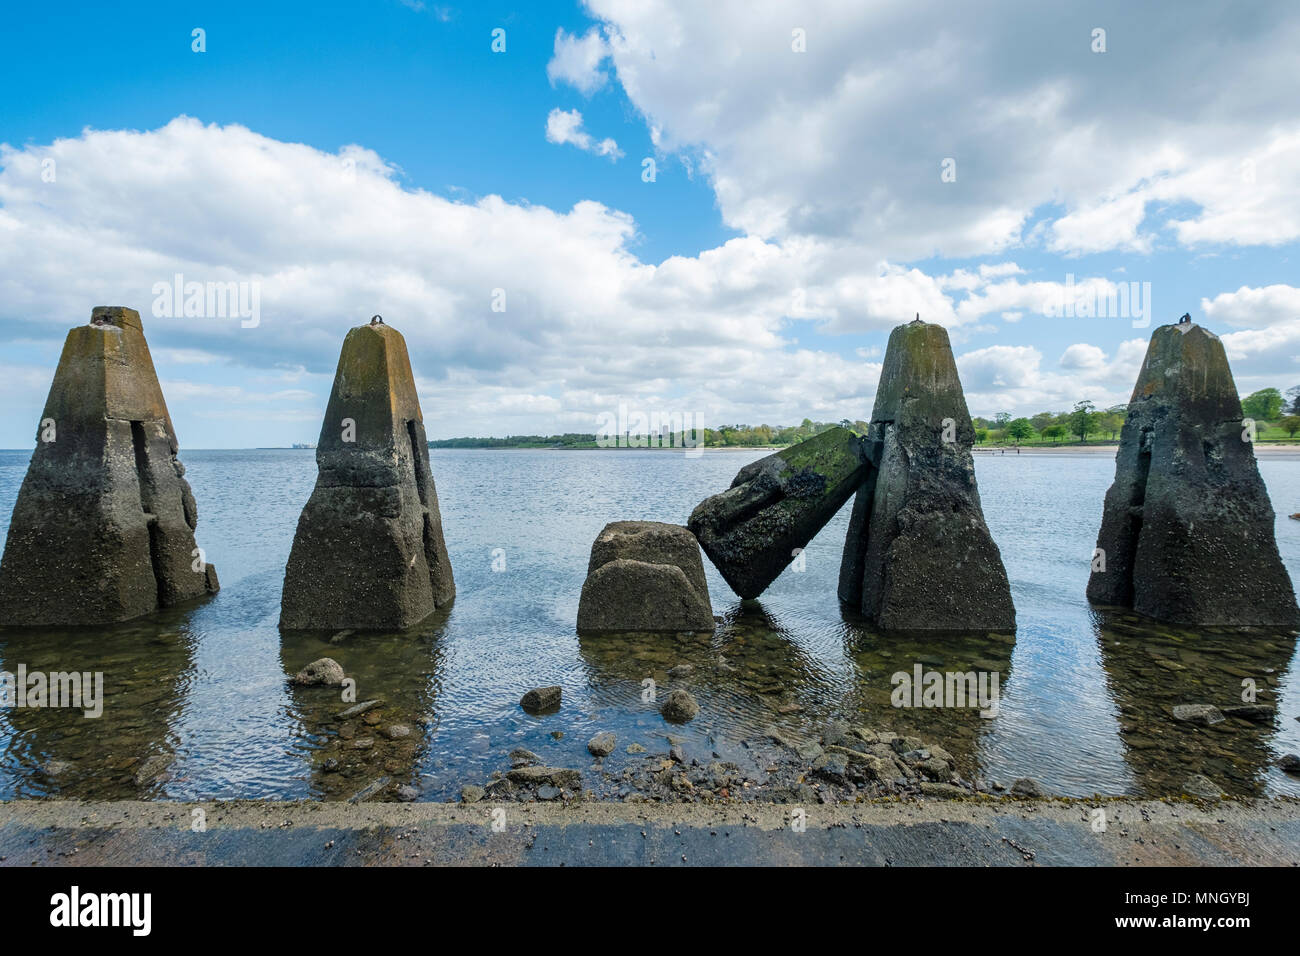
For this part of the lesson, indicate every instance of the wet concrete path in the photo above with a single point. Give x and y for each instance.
(958, 833)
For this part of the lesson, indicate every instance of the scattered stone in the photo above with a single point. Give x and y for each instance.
(152, 770)
(342, 636)
(103, 526)
(471, 793)
(1290, 763)
(601, 745)
(536, 776)
(645, 576)
(369, 552)
(1187, 529)
(635, 749)
(917, 517)
(679, 707)
(407, 794)
(776, 505)
(541, 698)
(1256, 713)
(1206, 715)
(931, 789)
(1198, 785)
(397, 731)
(356, 710)
(1027, 787)
(547, 792)
(519, 757)
(324, 672)
(368, 791)
(681, 670)
(677, 754)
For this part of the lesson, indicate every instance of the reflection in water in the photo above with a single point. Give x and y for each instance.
(747, 676)
(1151, 668)
(130, 750)
(878, 657)
(203, 690)
(377, 751)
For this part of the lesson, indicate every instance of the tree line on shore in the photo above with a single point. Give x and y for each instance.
(1276, 416)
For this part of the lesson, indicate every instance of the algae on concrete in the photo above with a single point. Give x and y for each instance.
(918, 555)
(1187, 527)
(369, 550)
(103, 528)
(776, 505)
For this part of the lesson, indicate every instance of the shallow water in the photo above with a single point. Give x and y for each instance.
(197, 704)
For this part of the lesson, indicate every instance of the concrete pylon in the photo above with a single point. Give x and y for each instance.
(369, 550)
(103, 528)
(918, 555)
(1187, 530)
(776, 505)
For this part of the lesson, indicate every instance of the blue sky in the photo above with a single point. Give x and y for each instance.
(351, 158)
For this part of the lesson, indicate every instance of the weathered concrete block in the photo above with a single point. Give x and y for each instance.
(1187, 531)
(103, 528)
(918, 555)
(776, 505)
(645, 576)
(369, 551)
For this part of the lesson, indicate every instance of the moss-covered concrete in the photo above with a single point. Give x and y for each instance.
(774, 507)
(645, 577)
(103, 528)
(918, 555)
(1187, 527)
(369, 550)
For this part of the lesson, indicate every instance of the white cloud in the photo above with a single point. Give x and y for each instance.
(577, 60)
(334, 238)
(1270, 305)
(826, 143)
(565, 126)
(1083, 356)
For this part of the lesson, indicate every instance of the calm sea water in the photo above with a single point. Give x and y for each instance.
(198, 706)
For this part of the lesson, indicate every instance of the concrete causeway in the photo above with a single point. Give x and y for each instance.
(987, 832)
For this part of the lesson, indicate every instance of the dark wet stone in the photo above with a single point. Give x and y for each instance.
(1027, 787)
(1199, 785)
(1255, 713)
(679, 706)
(471, 793)
(1206, 715)
(547, 792)
(645, 576)
(555, 776)
(541, 698)
(103, 526)
(356, 710)
(776, 505)
(1187, 527)
(324, 672)
(369, 551)
(519, 757)
(918, 555)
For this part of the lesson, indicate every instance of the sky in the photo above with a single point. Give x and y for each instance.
(717, 210)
